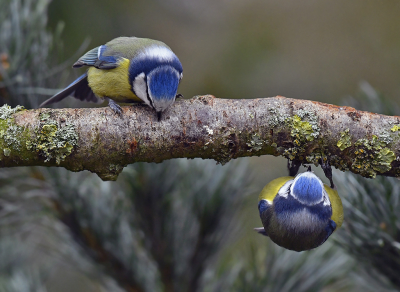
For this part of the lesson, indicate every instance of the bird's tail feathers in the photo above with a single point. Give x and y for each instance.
(79, 89)
(261, 230)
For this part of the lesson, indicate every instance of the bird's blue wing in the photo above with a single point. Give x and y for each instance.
(98, 58)
(329, 229)
(88, 59)
(263, 205)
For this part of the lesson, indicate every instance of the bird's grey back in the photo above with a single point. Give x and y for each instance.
(130, 47)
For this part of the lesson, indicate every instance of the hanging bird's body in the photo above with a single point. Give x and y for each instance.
(299, 217)
(296, 227)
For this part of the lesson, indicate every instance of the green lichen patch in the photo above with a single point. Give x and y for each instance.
(300, 130)
(395, 128)
(291, 153)
(344, 141)
(10, 133)
(44, 116)
(372, 156)
(314, 158)
(255, 143)
(54, 142)
(303, 128)
(6, 111)
(312, 118)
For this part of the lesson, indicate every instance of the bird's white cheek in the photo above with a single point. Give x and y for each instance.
(140, 88)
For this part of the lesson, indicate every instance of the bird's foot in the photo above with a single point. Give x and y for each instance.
(178, 96)
(326, 167)
(115, 107)
(293, 167)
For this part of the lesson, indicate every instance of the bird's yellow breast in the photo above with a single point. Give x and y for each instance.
(112, 83)
(337, 207)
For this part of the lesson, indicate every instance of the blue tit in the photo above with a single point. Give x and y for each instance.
(125, 70)
(299, 213)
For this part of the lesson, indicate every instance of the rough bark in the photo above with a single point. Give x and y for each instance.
(102, 142)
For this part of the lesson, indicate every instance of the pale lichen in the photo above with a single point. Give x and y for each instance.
(7, 151)
(255, 143)
(44, 116)
(276, 118)
(54, 142)
(312, 118)
(344, 141)
(10, 133)
(209, 131)
(386, 137)
(6, 111)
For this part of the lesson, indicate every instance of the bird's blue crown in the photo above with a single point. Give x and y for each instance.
(163, 83)
(148, 64)
(307, 188)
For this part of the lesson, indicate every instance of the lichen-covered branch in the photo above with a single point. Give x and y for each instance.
(97, 140)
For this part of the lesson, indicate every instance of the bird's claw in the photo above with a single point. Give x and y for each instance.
(115, 107)
(326, 167)
(293, 167)
(178, 96)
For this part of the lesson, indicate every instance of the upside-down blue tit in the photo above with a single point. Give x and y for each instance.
(125, 70)
(300, 213)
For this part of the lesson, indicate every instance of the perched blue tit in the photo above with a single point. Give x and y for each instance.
(299, 213)
(125, 70)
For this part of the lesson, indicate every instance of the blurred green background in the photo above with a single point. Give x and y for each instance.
(318, 50)
(187, 225)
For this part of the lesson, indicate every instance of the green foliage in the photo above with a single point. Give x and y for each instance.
(159, 228)
(34, 244)
(177, 215)
(372, 225)
(28, 52)
(272, 268)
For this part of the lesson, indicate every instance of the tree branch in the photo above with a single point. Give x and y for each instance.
(97, 140)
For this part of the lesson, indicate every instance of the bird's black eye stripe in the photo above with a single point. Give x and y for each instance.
(288, 189)
(147, 93)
